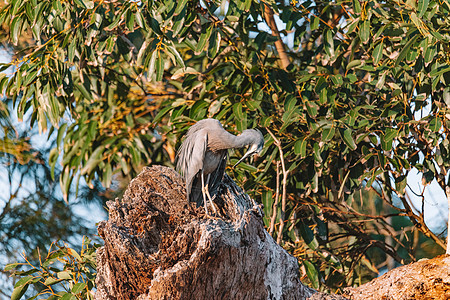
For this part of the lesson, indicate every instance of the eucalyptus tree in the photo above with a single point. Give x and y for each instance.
(336, 86)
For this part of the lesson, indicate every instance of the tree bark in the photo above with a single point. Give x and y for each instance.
(425, 279)
(159, 246)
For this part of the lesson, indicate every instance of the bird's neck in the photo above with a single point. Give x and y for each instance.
(226, 140)
(241, 140)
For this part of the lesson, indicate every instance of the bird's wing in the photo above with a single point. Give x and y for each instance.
(191, 156)
(217, 175)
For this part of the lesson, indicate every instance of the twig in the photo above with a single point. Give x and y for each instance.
(417, 220)
(275, 203)
(284, 183)
(447, 192)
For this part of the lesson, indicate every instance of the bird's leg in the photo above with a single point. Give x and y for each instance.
(209, 196)
(204, 194)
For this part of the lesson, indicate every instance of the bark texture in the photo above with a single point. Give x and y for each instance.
(427, 279)
(158, 246)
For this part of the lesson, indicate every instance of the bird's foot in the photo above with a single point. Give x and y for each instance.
(212, 217)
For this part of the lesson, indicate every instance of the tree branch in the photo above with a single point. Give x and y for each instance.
(279, 45)
(284, 183)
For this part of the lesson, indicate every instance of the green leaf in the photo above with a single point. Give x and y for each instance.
(51, 281)
(61, 132)
(346, 135)
(415, 20)
(356, 6)
(354, 63)
(314, 23)
(439, 71)
(18, 292)
(118, 18)
(180, 6)
(390, 135)
(78, 287)
(430, 53)
(400, 183)
(88, 4)
(179, 60)
(290, 103)
(237, 110)
(300, 147)
(52, 159)
(15, 29)
(181, 72)
(68, 296)
(15, 6)
(214, 44)
(405, 50)
(312, 108)
(381, 81)
(162, 113)
(140, 19)
(308, 236)
(64, 275)
(422, 7)
(129, 19)
(245, 166)
(107, 176)
(152, 63)
(80, 87)
(9, 267)
(329, 43)
(312, 273)
(435, 124)
(159, 67)
(387, 138)
(204, 38)
(74, 253)
(24, 280)
(337, 80)
(155, 26)
(328, 134)
(364, 32)
(95, 158)
(377, 53)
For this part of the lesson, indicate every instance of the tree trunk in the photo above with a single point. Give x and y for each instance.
(158, 246)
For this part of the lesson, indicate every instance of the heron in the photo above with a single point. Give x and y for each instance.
(202, 157)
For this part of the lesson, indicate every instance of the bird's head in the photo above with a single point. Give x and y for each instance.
(255, 140)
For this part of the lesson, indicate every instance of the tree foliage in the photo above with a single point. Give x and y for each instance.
(62, 274)
(120, 81)
(32, 210)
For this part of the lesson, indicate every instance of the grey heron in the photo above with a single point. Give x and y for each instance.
(202, 157)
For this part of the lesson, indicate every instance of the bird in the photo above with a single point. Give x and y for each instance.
(202, 157)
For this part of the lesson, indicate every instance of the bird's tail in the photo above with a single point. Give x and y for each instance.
(196, 194)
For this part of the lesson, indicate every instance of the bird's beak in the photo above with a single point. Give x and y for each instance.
(247, 154)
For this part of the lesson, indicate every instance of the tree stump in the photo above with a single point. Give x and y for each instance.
(158, 246)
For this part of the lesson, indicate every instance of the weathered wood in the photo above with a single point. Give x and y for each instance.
(158, 246)
(425, 279)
